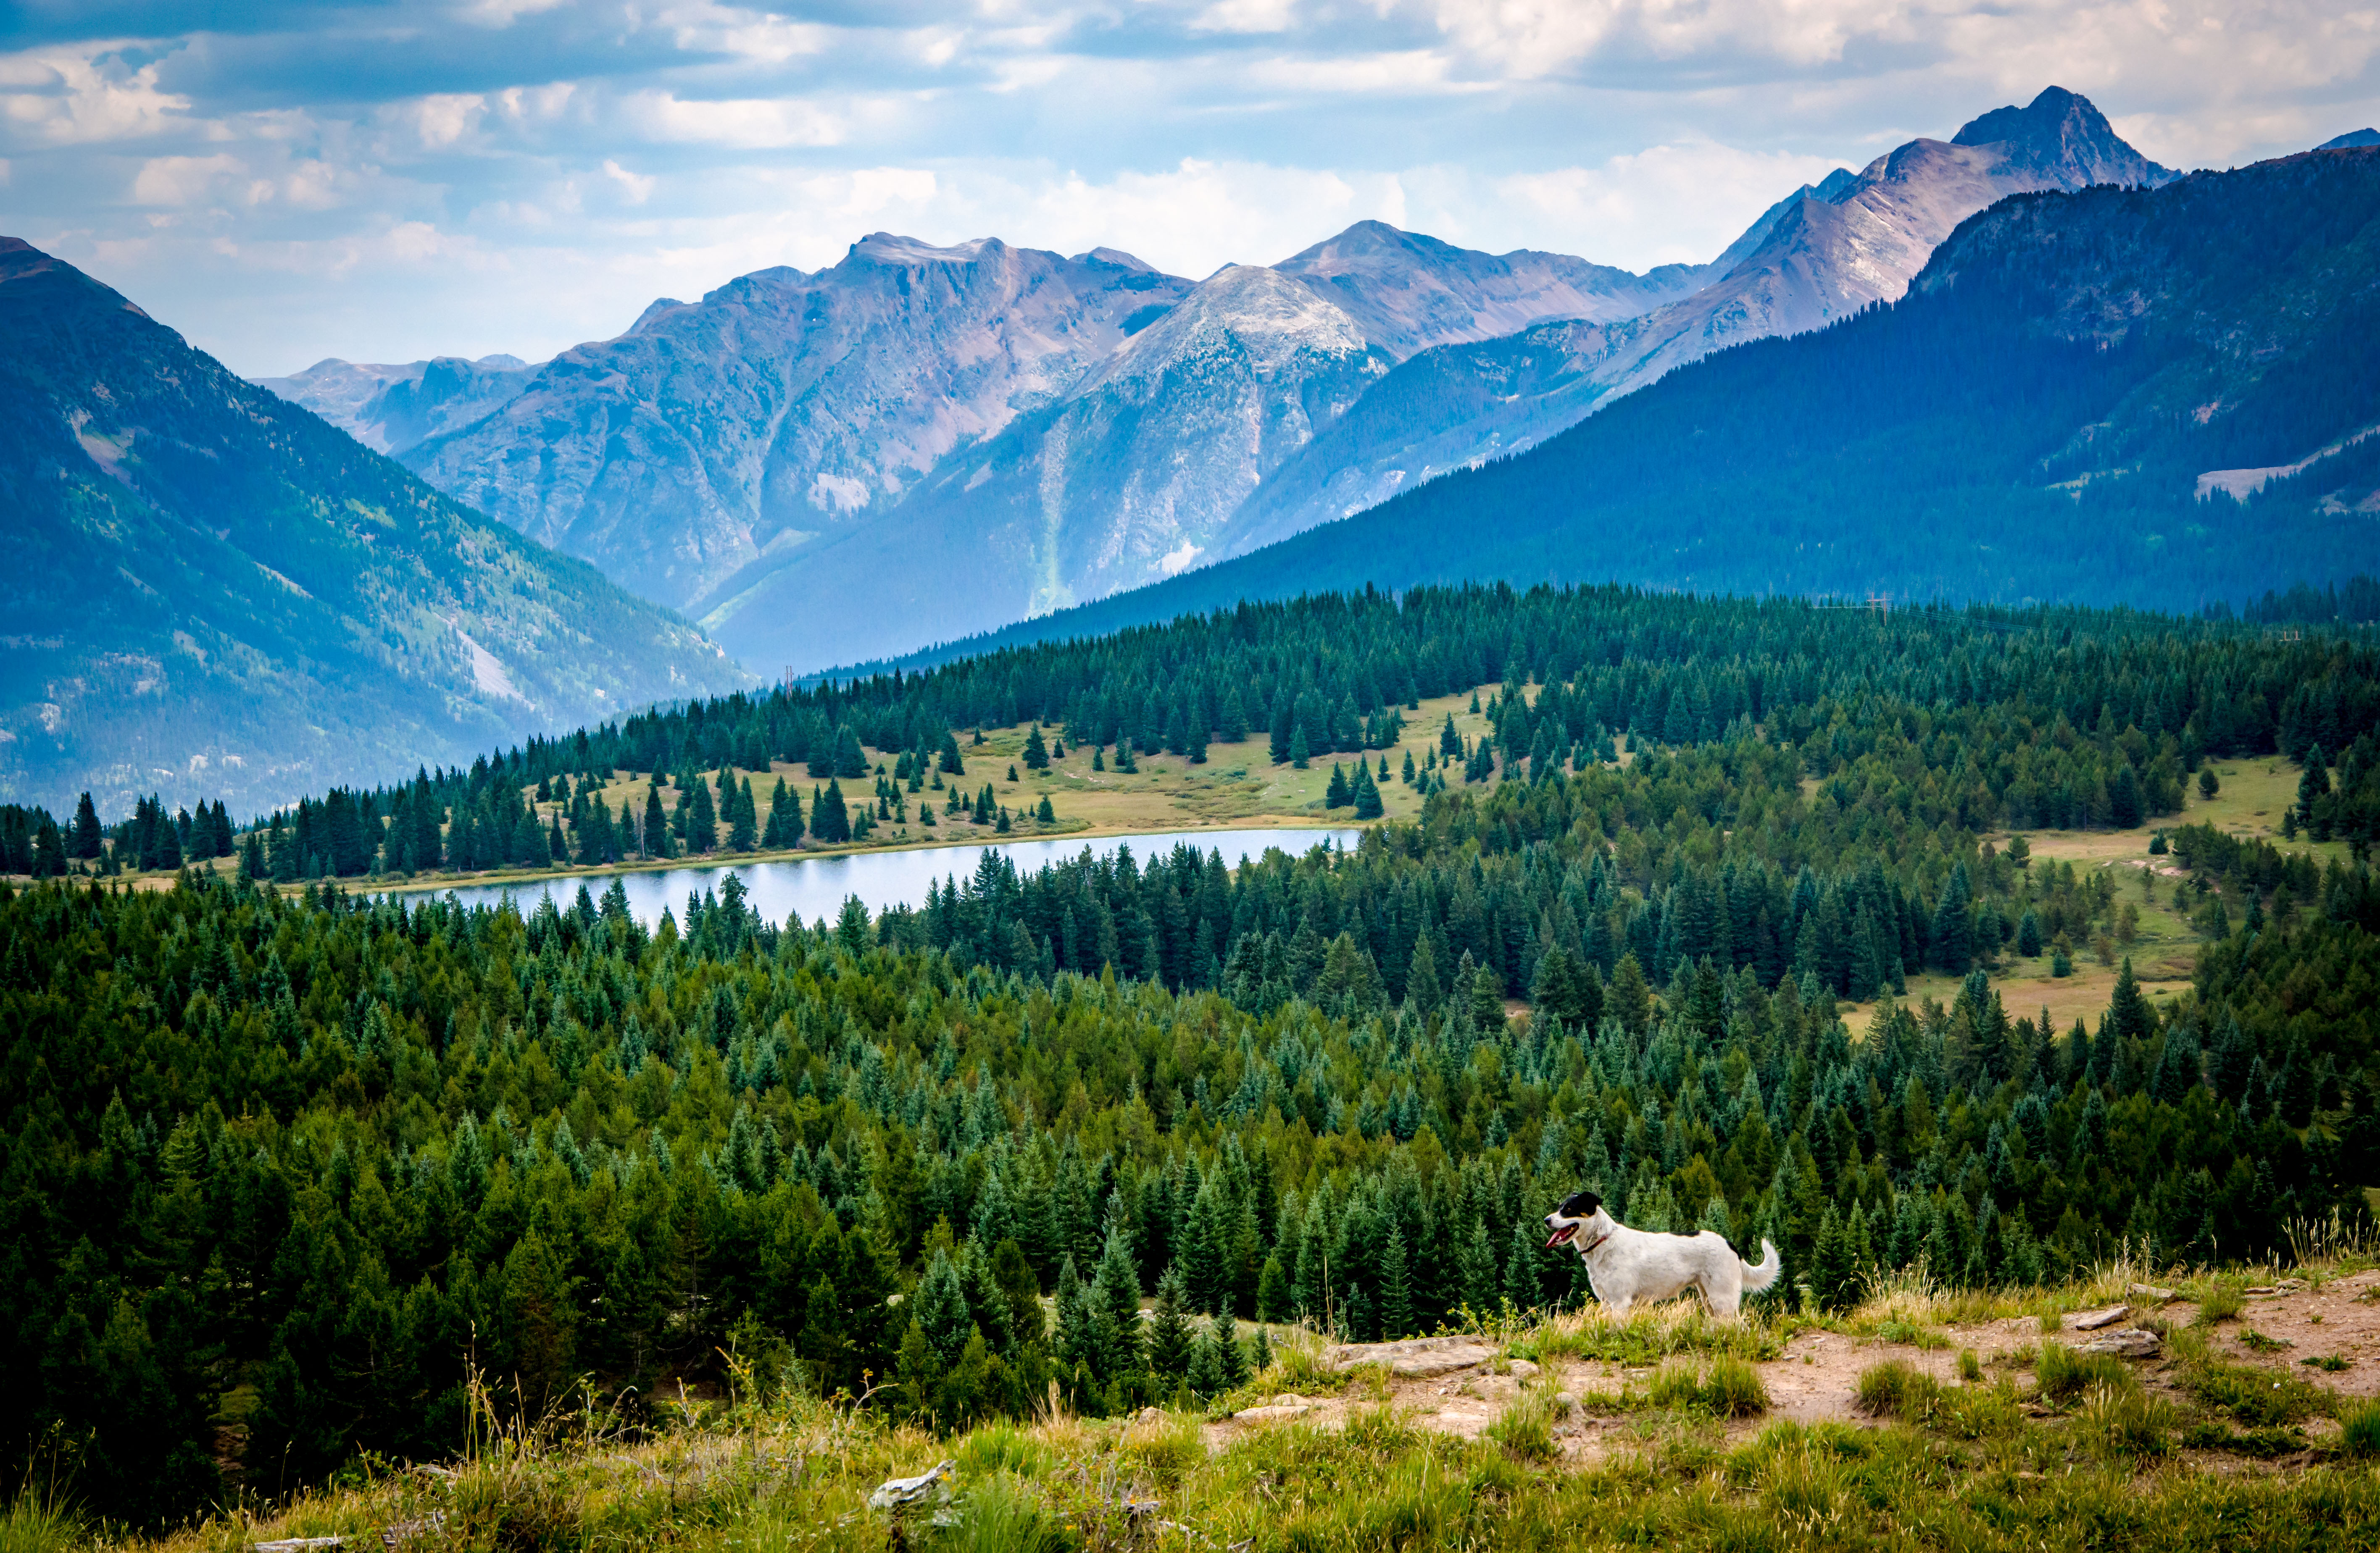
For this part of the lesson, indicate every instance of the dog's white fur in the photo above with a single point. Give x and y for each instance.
(1625, 1266)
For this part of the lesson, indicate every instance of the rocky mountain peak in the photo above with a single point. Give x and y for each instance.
(890, 248)
(2060, 132)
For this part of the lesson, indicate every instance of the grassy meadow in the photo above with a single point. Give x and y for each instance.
(1918, 1419)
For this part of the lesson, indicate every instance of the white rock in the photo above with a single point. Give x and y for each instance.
(1415, 1358)
(2125, 1343)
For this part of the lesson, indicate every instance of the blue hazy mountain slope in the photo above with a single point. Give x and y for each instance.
(210, 590)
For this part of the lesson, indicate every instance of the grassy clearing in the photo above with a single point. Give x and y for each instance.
(1237, 787)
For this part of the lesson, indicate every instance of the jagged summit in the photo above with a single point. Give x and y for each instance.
(890, 247)
(2062, 132)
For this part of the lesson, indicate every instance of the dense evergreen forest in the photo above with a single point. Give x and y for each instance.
(284, 1168)
(1334, 673)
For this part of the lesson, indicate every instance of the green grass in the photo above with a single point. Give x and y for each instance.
(1525, 1427)
(2359, 1431)
(40, 1521)
(1898, 1389)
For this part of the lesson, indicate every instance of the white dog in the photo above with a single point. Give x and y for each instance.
(1626, 1265)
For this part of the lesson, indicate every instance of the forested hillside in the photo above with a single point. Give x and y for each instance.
(282, 1168)
(2031, 423)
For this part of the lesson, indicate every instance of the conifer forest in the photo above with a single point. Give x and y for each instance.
(290, 1163)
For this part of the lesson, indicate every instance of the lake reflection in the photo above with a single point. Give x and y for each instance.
(817, 887)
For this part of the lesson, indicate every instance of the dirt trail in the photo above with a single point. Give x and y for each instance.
(1456, 1385)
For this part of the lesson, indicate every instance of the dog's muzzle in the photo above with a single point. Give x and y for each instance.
(1563, 1234)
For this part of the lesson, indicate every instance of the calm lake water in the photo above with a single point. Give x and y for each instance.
(817, 887)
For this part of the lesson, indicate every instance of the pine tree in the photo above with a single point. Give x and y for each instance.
(1170, 1337)
(1230, 1361)
(2313, 785)
(1630, 998)
(1475, 1268)
(1520, 1285)
(1045, 814)
(940, 1307)
(740, 836)
(1116, 1297)
(49, 851)
(1487, 1000)
(1205, 1371)
(830, 821)
(1337, 795)
(1396, 1315)
(2124, 806)
(1366, 794)
(86, 842)
(2129, 1013)
(1297, 751)
(1423, 995)
(701, 818)
(1272, 1292)
(1036, 753)
(850, 760)
(657, 830)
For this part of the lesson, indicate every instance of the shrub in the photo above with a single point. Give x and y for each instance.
(1971, 1369)
(1898, 1389)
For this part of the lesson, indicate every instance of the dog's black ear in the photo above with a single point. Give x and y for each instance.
(1581, 1205)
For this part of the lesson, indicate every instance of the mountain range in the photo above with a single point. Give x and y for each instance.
(2164, 397)
(919, 442)
(210, 591)
(2024, 363)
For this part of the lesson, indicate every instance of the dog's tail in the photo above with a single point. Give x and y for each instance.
(1760, 1275)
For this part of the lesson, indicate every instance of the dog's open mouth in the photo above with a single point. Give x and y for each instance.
(1561, 1236)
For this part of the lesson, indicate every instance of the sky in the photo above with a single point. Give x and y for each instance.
(384, 181)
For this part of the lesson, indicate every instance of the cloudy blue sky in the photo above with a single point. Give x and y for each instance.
(387, 180)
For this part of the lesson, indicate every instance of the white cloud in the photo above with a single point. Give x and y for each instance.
(1244, 16)
(1668, 204)
(63, 97)
(184, 180)
(748, 124)
(1411, 70)
(635, 187)
(443, 120)
(542, 169)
